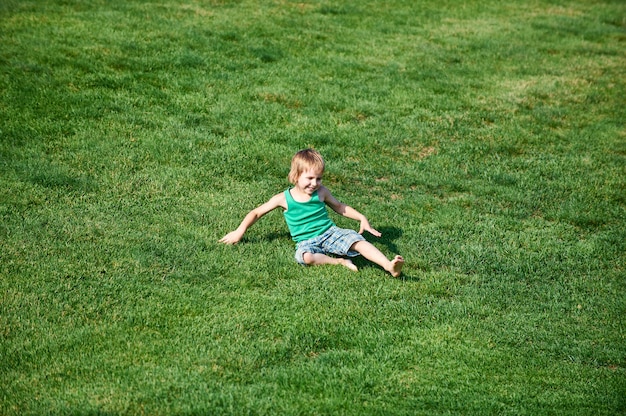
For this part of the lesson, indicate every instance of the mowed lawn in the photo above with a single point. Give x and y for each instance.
(485, 140)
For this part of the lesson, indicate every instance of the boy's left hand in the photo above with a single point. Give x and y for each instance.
(365, 226)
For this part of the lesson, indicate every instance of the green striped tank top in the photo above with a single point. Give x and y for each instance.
(306, 219)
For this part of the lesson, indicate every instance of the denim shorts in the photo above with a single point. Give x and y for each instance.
(334, 241)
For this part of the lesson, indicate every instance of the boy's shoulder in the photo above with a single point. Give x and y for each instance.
(323, 193)
(279, 200)
(278, 197)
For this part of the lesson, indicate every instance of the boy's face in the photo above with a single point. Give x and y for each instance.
(309, 181)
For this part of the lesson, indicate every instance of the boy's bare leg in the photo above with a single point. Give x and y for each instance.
(370, 252)
(316, 259)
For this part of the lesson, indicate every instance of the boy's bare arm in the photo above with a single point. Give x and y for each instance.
(347, 211)
(253, 216)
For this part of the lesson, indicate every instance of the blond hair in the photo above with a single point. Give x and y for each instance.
(304, 160)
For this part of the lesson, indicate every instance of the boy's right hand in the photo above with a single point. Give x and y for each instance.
(232, 237)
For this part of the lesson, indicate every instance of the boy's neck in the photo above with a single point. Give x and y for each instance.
(299, 195)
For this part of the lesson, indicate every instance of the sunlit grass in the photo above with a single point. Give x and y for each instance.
(486, 142)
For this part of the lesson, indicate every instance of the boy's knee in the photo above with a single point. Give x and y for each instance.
(357, 245)
(303, 258)
(307, 258)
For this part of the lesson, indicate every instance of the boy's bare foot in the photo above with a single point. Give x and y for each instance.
(396, 266)
(348, 263)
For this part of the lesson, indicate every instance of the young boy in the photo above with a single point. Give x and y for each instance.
(309, 224)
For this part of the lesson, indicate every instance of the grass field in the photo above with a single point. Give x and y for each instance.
(486, 140)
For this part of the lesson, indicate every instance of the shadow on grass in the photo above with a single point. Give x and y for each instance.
(389, 235)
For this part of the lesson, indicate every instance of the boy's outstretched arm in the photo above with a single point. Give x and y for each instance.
(253, 216)
(347, 211)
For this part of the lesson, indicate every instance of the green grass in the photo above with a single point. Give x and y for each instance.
(486, 140)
